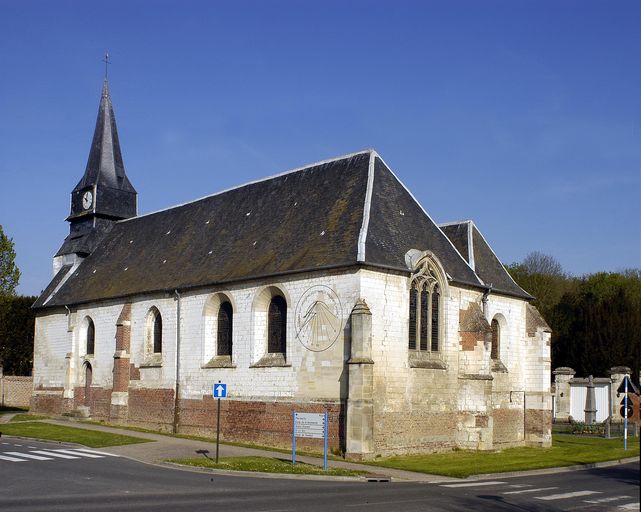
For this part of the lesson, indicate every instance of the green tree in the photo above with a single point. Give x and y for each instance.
(598, 325)
(16, 335)
(9, 273)
(542, 276)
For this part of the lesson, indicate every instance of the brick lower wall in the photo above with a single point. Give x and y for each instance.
(47, 401)
(507, 427)
(151, 408)
(268, 423)
(415, 432)
(15, 391)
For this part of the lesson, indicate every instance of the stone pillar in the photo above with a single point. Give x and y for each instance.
(562, 378)
(617, 374)
(120, 391)
(590, 402)
(360, 399)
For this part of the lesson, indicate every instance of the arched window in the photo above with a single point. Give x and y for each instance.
(153, 333)
(157, 333)
(224, 332)
(496, 339)
(277, 325)
(91, 337)
(424, 310)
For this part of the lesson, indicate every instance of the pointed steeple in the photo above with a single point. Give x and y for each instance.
(104, 194)
(112, 194)
(105, 165)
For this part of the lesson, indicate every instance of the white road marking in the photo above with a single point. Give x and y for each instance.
(32, 447)
(629, 506)
(86, 450)
(531, 490)
(11, 459)
(520, 486)
(566, 495)
(28, 456)
(18, 445)
(606, 500)
(73, 452)
(53, 454)
(474, 484)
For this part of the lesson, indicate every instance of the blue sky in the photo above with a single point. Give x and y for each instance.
(522, 115)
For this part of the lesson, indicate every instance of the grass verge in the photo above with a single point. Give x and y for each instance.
(27, 417)
(49, 432)
(265, 465)
(566, 450)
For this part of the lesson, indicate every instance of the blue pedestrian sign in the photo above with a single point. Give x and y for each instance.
(220, 390)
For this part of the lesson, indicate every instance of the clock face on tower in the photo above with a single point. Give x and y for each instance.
(87, 200)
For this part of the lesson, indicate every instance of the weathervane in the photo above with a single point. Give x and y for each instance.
(106, 61)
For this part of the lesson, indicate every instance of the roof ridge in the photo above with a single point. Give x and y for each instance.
(253, 182)
(499, 260)
(432, 220)
(367, 206)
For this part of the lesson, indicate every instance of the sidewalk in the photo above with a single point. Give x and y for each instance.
(167, 447)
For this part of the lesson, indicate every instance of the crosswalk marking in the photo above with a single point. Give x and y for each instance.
(28, 456)
(566, 495)
(75, 452)
(606, 500)
(86, 450)
(53, 454)
(11, 459)
(531, 490)
(473, 484)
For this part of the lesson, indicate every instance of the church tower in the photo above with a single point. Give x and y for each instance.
(103, 195)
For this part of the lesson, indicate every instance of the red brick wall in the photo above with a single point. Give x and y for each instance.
(47, 404)
(507, 426)
(152, 408)
(268, 423)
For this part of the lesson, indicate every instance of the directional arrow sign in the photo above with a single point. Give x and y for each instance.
(220, 390)
(631, 387)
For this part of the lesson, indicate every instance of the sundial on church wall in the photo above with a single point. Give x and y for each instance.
(319, 318)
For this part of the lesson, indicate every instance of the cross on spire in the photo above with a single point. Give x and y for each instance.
(107, 62)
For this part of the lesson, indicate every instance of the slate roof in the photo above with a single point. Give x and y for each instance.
(338, 213)
(473, 247)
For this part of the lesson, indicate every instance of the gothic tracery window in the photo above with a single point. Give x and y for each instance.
(424, 310)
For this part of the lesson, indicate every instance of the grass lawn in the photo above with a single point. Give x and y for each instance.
(28, 417)
(566, 450)
(47, 431)
(265, 465)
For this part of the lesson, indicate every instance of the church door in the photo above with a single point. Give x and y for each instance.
(88, 377)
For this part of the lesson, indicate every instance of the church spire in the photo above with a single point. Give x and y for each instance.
(104, 194)
(104, 165)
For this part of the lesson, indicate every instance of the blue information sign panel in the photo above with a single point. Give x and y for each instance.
(220, 390)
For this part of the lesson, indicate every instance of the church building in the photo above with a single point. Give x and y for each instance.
(324, 288)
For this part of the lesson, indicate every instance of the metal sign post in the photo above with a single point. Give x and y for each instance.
(219, 391)
(625, 417)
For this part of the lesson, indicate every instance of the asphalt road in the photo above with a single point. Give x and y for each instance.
(77, 479)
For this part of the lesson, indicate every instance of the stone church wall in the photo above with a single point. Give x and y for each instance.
(453, 398)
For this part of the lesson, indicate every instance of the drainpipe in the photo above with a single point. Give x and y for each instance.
(177, 386)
